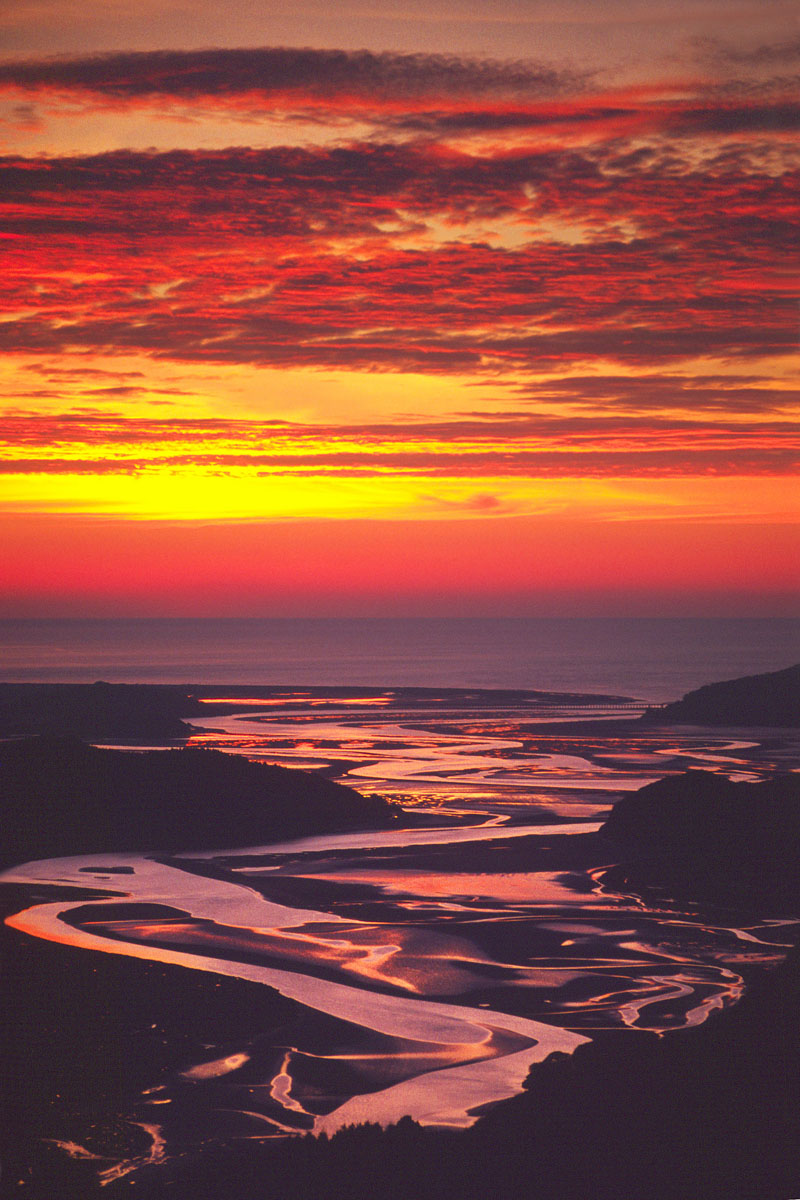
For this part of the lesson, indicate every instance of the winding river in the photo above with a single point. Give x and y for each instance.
(431, 966)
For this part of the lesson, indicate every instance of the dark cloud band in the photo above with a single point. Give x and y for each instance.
(281, 70)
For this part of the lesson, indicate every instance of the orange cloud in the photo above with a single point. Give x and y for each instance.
(585, 299)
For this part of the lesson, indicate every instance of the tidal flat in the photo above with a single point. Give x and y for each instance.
(418, 971)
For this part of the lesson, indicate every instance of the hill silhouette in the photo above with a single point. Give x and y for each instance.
(59, 796)
(97, 711)
(772, 699)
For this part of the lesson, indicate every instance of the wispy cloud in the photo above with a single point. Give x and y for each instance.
(288, 72)
(511, 445)
(402, 257)
(614, 268)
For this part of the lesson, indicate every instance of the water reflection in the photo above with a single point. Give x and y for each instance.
(469, 747)
(431, 966)
(424, 988)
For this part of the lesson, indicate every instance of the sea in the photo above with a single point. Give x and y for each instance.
(652, 659)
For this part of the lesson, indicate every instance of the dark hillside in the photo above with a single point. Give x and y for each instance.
(703, 814)
(708, 1112)
(59, 796)
(96, 711)
(702, 836)
(772, 699)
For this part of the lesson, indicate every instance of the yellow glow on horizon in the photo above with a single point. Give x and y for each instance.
(192, 496)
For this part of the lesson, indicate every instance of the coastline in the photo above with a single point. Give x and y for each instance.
(597, 1080)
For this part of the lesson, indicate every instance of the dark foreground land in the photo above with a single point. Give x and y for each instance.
(705, 837)
(83, 1035)
(97, 711)
(705, 1114)
(59, 796)
(709, 1114)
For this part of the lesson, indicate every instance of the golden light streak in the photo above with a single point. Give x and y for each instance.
(199, 496)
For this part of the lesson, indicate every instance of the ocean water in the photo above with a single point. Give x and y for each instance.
(654, 659)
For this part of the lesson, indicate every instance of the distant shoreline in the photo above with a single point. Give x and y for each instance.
(172, 712)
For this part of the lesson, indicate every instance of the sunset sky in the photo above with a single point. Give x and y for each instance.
(355, 309)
